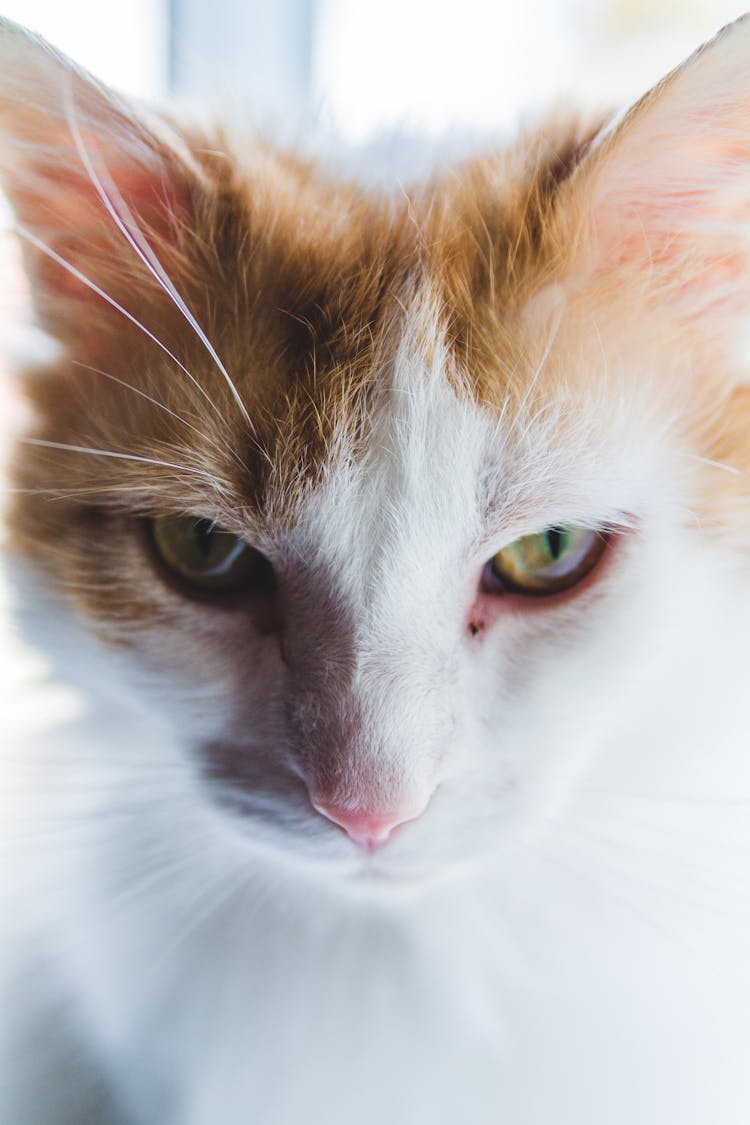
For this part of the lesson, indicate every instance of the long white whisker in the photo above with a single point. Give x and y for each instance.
(155, 402)
(562, 858)
(119, 456)
(640, 799)
(28, 236)
(714, 464)
(204, 906)
(125, 221)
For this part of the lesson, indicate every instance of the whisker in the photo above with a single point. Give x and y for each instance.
(159, 405)
(126, 223)
(204, 907)
(572, 865)
(709, 461)
(53, 494)
(676, 799)
(702, 880)
(29, 236)
(119, 456)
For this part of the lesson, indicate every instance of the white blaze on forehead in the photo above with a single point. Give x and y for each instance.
(391, 525)
(388, 538)
(402, 526)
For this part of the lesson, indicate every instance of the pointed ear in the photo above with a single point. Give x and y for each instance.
(663, 197)
(86, 177)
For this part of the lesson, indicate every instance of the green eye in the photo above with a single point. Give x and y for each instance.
(206, 558)
(547, 563)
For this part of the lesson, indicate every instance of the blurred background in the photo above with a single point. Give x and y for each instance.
(364, 66)
(359, 68)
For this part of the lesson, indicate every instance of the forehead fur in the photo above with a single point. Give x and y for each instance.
(305, 286)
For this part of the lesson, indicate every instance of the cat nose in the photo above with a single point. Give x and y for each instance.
(367, 830)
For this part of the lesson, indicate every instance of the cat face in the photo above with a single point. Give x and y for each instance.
(375, 412)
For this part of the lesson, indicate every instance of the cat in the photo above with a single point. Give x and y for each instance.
(384, 553)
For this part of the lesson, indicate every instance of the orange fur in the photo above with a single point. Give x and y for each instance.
(302, 281)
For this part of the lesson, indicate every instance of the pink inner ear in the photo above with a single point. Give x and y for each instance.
(60, 203)
(668, 189)
(685, 231)
(145, 181)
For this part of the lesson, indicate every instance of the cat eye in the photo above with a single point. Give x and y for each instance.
(206, 558)
(547, 563)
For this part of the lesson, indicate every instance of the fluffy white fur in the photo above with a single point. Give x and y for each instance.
(562, 937)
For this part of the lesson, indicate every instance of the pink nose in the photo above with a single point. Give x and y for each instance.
(366, 829)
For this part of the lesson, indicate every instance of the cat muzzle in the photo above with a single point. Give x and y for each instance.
(367, 830)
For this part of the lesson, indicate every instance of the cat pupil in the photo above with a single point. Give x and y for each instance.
(555, 541)
(204, 535)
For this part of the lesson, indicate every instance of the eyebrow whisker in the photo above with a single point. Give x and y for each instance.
(29, 236)
(46, 444)
(160, 406)
(126, 223)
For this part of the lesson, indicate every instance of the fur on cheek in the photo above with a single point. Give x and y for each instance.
(378, 393)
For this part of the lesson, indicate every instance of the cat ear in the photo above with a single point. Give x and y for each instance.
(663, 197)
(96, 190)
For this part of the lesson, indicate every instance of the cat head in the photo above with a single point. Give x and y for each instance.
(386, 505)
